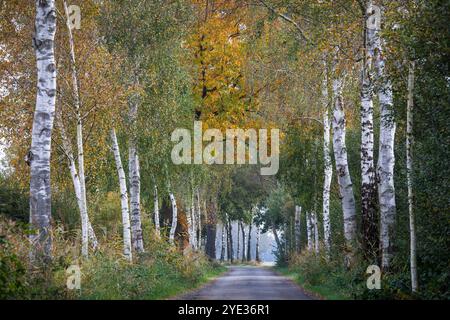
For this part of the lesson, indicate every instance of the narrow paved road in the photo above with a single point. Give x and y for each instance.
(248, 283)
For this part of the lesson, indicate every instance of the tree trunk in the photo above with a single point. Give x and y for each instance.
(298, 212)
(277, 241)
(238, 249)
(135, 182)
(343, 174)
(211, 230)
(39, 155)
(257, 246)
(309, 235)
(230, 232)
(386, 158)
(199, 221)
(76, 183)
(123, 198)
(191, 223)
(173, 227)
(316, 232)
(86, 228)
(249, 251)
(328, 167)
(368, 180)
(243, 242)
(156, 211)
(409, 173)
(222, 251)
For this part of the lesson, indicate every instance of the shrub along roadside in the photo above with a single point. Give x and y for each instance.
(159, 273)
(330, 280)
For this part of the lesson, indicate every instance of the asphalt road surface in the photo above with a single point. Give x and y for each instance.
(248, 283)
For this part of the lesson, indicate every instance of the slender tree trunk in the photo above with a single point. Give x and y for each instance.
(328, 167)
(191, 222)
(230, 231)
(123, 198)
(39, 155)
(386, 158)
(343, 173)
(211, 230)
(173, 227)
(76, 99)
(316, 232)
(222, 251)
(198, 220)
(156, 211)
(243, 242)
(277, 241)
(257, 246)
(249, 242)
(368, 180)
(409, 172)
(238, 244)
(135, 181)
(76, 182)
(298, 212)
(309, 235)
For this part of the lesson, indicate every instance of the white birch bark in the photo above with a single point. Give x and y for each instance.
(257, 258)
(328, 167)
(135, 184)
(199, 220)
(191, 223)
(156, 211)
(39, 155)
(342, 170)
(368, 179)
(386, 158)
(249, 242)
(238, 250)
(77, 188)
(298, 212)
(316, 232)
(309, 235)
(80, 147)
(222, 251)
(173, 226)
(123, 198)
(409, 174)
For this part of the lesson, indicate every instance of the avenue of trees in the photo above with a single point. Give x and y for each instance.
(358, 88)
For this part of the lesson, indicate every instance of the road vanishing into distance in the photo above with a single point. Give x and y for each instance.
(248, 283)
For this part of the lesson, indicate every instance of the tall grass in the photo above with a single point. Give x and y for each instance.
(160, 272)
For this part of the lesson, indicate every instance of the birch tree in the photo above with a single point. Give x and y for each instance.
(123, 198)
(39, 155)
(67, 148)
(249, 242)
(257, 245)
(368, 179)
(199, 219)
(409, 173)
(328, 167)
(342, 170)
(298, 211)
(243, 241)
(135, 179)
(386, 157)
(238, 247)
(173, 226)
(222, 250)
(309, 235)
(86, 228)
(156, 211)
(316, 232)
